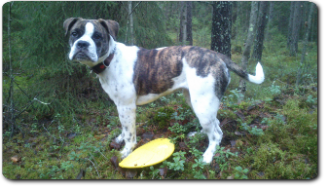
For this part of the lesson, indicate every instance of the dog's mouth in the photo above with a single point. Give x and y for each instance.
(81, 56)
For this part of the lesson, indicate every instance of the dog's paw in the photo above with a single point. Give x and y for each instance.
(119, 139)
(125, 152)
(192, 134)
(207, 158)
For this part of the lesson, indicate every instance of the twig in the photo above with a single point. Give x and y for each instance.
(135, 7)
(103, 155)
(40, 101)
(93, 166)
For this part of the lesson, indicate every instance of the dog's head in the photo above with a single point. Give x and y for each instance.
(91, 40)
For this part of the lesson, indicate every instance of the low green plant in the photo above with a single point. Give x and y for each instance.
(113, 121)
(197, 169)
(198, 165)
(252, 130)
(311, 100)
(154, 172)
(178, 161)
(240, 173)
(223, 157)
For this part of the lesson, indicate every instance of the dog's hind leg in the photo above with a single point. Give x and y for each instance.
(205, 105)
(127, 117)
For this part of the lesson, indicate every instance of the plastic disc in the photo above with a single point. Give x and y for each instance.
(151, 153)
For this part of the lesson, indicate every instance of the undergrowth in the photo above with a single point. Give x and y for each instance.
(269, 133)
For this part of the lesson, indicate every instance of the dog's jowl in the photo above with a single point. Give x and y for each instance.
(134, 76)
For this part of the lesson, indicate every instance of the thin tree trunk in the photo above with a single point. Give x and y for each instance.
(261, 22)
(221, 27)
(249, 43)
(11, 90)
(305, 43)
(269, 24)
(293, 48)
(183, 22)
(131, 41)
(290, 23)
(189, 22)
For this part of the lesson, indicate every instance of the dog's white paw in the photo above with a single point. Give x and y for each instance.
(119, 139)
(207, 157)
(191, 134)
(125, 152)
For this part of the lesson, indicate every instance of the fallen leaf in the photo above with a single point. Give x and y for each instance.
(15, 159)
(225, 121)
(71, 135)
(130, 173)
(114, 161)
(114, 145)
(240, 133)
(182, 145)
(163, 172)
(233, 143)
(147, 136)
(250, 107)
(264, 127)
(240, 115)
(261, 174)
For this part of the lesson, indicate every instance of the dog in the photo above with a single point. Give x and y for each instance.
(133, 76)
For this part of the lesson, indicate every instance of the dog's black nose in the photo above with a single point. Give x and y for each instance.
(82, 44)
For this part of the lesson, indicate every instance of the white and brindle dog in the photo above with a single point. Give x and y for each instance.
(133, 76)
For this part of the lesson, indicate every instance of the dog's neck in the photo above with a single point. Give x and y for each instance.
(99, 68)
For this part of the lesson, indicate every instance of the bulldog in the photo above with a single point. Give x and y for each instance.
(133, 76)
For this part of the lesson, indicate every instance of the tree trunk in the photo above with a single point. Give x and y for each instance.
(131, 41)
(11, 90)
(189, 22)
(183, 22)
(293, 46)
(305, 43)
(269, 24)
(249, 43)
(221, 27)
(290, 23)
(261, 22)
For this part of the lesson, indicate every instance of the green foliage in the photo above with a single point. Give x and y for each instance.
(240, 173)
(252, 130)
(198, 165)
(162, 116)
(178, 161)
(223, 157)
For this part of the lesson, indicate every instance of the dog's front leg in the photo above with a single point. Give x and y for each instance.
(127, 115)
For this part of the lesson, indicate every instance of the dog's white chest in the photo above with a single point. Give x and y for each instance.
(117, 79)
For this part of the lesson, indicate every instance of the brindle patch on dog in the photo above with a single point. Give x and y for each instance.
(155, 69)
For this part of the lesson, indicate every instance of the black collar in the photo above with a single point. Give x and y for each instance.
(103, 65)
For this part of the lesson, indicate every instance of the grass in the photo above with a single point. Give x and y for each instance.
(271, 134)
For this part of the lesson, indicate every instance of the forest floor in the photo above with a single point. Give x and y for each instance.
(272, 139)
(272, 133)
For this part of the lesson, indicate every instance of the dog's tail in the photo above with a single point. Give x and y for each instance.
(258, 78)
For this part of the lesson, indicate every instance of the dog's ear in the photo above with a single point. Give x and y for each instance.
(111, 27)
(69, 23)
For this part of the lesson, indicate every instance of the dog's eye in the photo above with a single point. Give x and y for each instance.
(74, 34)
(97, 36)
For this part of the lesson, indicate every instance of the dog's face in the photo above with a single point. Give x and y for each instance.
(91, 41)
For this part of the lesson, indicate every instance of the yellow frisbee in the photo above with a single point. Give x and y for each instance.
(151, 153)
